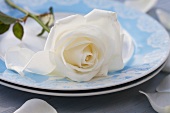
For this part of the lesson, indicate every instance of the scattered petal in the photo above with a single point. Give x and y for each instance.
(16, 58)
(164, 86)
(36, 106)
(20, 59)
(5, 44)
(164, 18)
(142, 5)
(159, 101)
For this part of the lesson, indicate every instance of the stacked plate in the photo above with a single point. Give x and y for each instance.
(151, 51)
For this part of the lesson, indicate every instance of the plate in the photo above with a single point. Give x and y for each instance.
(86, 92)
(150, 38)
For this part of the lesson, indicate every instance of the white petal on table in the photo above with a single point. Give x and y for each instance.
(36, 106)
(159, 101)
(164, 18)
(142, 5)
(164, 86)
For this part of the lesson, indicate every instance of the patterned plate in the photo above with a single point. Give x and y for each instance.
(85, 92)
(151, 45)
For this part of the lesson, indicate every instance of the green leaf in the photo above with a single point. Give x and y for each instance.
(18, 30)
(7, 19)
(3, 28)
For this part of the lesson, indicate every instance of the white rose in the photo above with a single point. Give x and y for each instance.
(78, 47)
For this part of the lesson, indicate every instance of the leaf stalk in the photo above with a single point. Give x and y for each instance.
(10, 3)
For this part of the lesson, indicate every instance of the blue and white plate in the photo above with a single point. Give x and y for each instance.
(80, 93)
(150, 38)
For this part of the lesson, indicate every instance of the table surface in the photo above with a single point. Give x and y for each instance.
(127, 101)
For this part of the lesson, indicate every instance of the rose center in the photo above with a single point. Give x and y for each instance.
(81, 56)
(88, 57)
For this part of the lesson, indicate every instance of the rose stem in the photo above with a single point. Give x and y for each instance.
(28, 14)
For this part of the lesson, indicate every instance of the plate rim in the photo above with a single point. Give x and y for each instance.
(102, 92)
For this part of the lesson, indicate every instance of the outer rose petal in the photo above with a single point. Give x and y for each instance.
(42, 62)
(107, 21)
(128, 47)
(62, 26)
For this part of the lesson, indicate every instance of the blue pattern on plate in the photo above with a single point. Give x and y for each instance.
(151, 44)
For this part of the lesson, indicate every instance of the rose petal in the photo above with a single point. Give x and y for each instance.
(16, 58)
(116, 61)
(62, 26)
(29, 40)
(42, 62)
(19, 59)
(63, 70)
(74, 55)
(159, 101)
(164, 18)
(128, 47)
(7, 41)
(142, 5)
(108, 20)
(36, 106)
(164, 86)
(77, 42)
